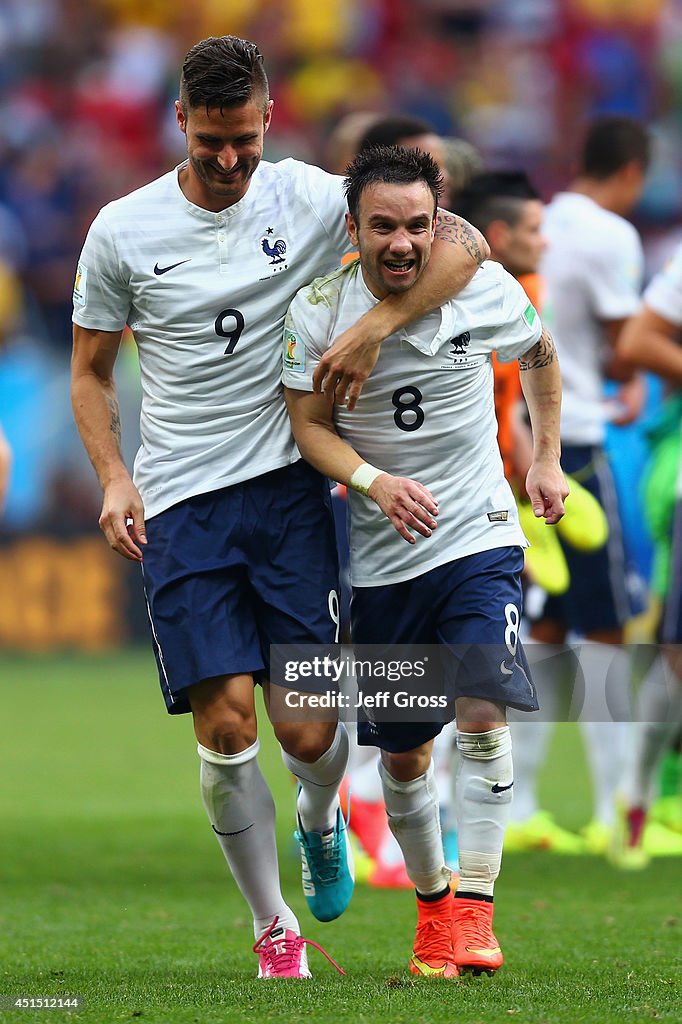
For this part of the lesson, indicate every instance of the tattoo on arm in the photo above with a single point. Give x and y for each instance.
(451, 228)
(541, 354)
(115, 425)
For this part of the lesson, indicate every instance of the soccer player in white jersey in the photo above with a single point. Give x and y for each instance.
(232, 528)
(651, 340)
(592, 270)
(427, 414)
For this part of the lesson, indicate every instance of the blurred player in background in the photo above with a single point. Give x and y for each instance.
(428, 412)
(413, 133)
(651, 340)
(593, 270)
(232, 528)
(343, 141)
(508, 211)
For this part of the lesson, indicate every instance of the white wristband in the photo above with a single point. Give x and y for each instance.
(363, 477)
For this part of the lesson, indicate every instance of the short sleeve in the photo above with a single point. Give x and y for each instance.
(615, 277)
(519, 326)
(664, 293)
(101, 298)
(328, 202)
(305, 340)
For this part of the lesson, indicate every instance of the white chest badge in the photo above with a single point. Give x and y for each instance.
(274, 249)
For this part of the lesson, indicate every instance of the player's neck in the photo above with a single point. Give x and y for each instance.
(606, 194)
(196, 192)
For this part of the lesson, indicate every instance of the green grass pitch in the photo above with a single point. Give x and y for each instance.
(113, 887)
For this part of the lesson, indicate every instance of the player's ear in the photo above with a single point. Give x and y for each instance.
(267, 117)
(180, 117)
(497, 235)
(351, 228)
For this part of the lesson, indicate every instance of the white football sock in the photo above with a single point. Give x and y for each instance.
(412, 809)
(605, 720)
(484, 795)
(658, 717)
(242, 812)
(318, 800)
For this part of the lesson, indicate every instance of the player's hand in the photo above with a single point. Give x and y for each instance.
(547, 489)
(407, 504)
(122, 518)
(344, 368)
(628, 401)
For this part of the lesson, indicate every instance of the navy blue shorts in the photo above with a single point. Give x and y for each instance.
(472, 607)
(671, 620)
(228, 573)
(597, 597)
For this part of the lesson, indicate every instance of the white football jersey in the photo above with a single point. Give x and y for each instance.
(427, 412)
(593, 269)
(205, 295)
(664, 292)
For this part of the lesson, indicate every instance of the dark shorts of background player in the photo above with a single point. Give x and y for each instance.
(670, 630)
(230, 572)
(472, 606)
(597, 598)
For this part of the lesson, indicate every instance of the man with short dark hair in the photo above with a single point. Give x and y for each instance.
(427, 412)
(235, 528)
(507, 208)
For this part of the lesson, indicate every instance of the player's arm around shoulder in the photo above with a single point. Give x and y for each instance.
(541, 383)
(96, 411)
(457, 253)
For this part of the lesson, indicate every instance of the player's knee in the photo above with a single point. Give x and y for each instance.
(227, 731)
(224, 713)
(306, 741)
(408, 765)
(475, 715)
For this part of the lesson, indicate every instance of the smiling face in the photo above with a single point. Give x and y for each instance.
(224, 149)
(393, 232)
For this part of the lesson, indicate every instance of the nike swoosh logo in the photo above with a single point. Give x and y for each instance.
(497, 788)
(484, 952)
(164, 270)
(427, 969)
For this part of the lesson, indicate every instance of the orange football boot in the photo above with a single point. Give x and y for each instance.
(475, 947)
(432, 955)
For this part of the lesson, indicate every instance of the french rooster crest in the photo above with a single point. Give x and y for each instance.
(276, 251)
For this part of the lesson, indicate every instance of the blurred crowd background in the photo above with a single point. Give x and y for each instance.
(86, 92)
